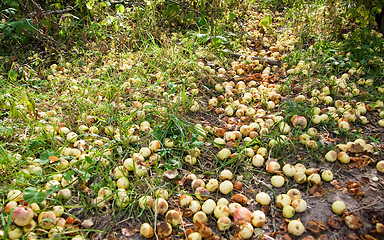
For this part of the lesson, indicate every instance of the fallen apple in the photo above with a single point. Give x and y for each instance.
(226, 187)
(300, 205)
(208, 206)
(246, 230)
(212, 185)
(294, 193)
(22, 215)
(299, 122)
(200, 217)
(380, 166)
(283, 200)
(258, 160)
(47, 219)
(339, 207)
(277, 181)
(327, 175)
(288, 211)
(194, 206)
(331, 156)
(242, 215)
(263, 198)
(146, 230)
(221, 210)
(296, 228)
(223, 223)
(160, 206)
(194, 236)
(258, 218)
(173, 217)
(289, 170)
(272, 167)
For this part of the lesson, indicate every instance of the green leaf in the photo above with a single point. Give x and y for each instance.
(12, 74)
(266, 21)
(33, 196)
(44, 157)
(88, 159)
(90, 4)
(68, 175)
(231, 16)
(218, 41)
(120, 8)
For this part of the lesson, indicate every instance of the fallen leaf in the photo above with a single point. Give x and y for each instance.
(171, 174)
(72, 221)
(53, 159)
(322, 237)
(128, 232)
(316, 227)
(317, 191)
(335, 222)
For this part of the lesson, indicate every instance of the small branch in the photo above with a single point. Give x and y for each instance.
(367, 206)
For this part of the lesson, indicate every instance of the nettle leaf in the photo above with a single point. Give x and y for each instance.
(31, 195)
(44, 157)
(12, 74)
(120, 8)
(88, 159)
(266, 21)
(68, 175)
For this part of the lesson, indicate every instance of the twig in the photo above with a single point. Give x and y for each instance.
(367, 206)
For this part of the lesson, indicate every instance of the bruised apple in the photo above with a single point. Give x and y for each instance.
(22, 215)
(242, 215)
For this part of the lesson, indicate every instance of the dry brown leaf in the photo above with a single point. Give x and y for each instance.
(129, 232)
(354, 188)
(317, 191)
(53, 159)
(316, 227)
(335, 222)
(171, 174)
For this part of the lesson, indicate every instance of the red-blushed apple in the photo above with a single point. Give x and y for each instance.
(22, 215)
(9, 206)
(299, 122)
(272, 166)
(242, 215)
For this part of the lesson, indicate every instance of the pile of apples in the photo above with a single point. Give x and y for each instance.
(199, 206)
(29, 221)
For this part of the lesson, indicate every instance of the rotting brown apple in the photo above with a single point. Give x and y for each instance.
(173, 217)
